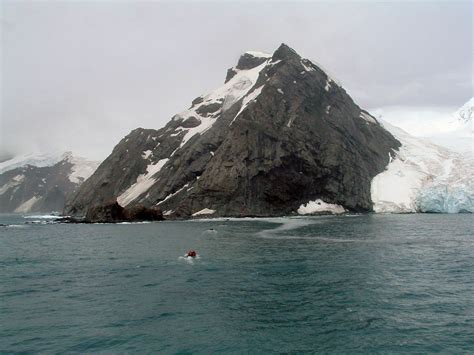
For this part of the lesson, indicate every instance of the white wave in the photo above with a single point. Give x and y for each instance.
(313, 239)
(45, 216)
(259, 219)
(141, 222)
(189, 259)
(287, 224)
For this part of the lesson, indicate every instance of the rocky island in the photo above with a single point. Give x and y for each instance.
(280, 135)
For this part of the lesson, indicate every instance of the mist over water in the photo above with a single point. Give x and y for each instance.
(362, 283)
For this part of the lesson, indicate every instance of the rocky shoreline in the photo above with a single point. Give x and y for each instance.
(112, 212)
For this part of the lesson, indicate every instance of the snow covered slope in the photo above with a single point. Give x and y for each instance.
(81, 167)
(33, 159)
(41, 182)
(424, 177)
(466, 113)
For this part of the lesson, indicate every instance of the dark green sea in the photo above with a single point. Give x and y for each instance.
(329, 284)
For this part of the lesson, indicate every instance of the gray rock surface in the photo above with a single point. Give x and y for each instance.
(112, 212)
(294, 135)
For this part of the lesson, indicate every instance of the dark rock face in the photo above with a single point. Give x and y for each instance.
(106, 213)
(142, 213)
(230, 74)
(112, 212)
(248, 61)
(190, 122)
(285, 134)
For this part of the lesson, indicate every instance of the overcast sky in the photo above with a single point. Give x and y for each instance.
(79, 75)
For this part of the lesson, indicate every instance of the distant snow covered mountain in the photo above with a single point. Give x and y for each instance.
(459, 135)
(424, 177)
(466, 113)
(41, 182)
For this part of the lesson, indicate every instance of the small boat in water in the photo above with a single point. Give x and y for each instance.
(191, 254)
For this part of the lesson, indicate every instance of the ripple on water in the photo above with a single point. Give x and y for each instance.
(347, 284)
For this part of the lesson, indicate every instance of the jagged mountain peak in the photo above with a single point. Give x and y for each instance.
(282, 55)
(285, 72)
(466, 113)
(285, 52)
(251, 59)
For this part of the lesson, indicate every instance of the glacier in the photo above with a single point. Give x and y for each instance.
(445, 199)
(424, 177)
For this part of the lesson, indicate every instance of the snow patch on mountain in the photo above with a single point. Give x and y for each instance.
(328, 85)
(365, 116)
(27, 206)
(307, 65)
(226, 95)
(142, 184)
(81, 169)
(146, 154)
(173, 194)
(247, 100)
(319, 206)
(205, 211)
(14, 182)
(258, 54)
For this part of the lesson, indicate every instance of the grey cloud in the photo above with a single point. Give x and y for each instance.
(80, 75)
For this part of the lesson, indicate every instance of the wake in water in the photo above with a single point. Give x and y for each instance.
(190, 256)
(293, 224)
(189, 259)
(286, 224)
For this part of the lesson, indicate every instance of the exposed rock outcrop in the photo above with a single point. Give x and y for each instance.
(279, 134)
(112, 212)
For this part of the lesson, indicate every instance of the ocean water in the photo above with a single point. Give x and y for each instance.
(347, 284)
